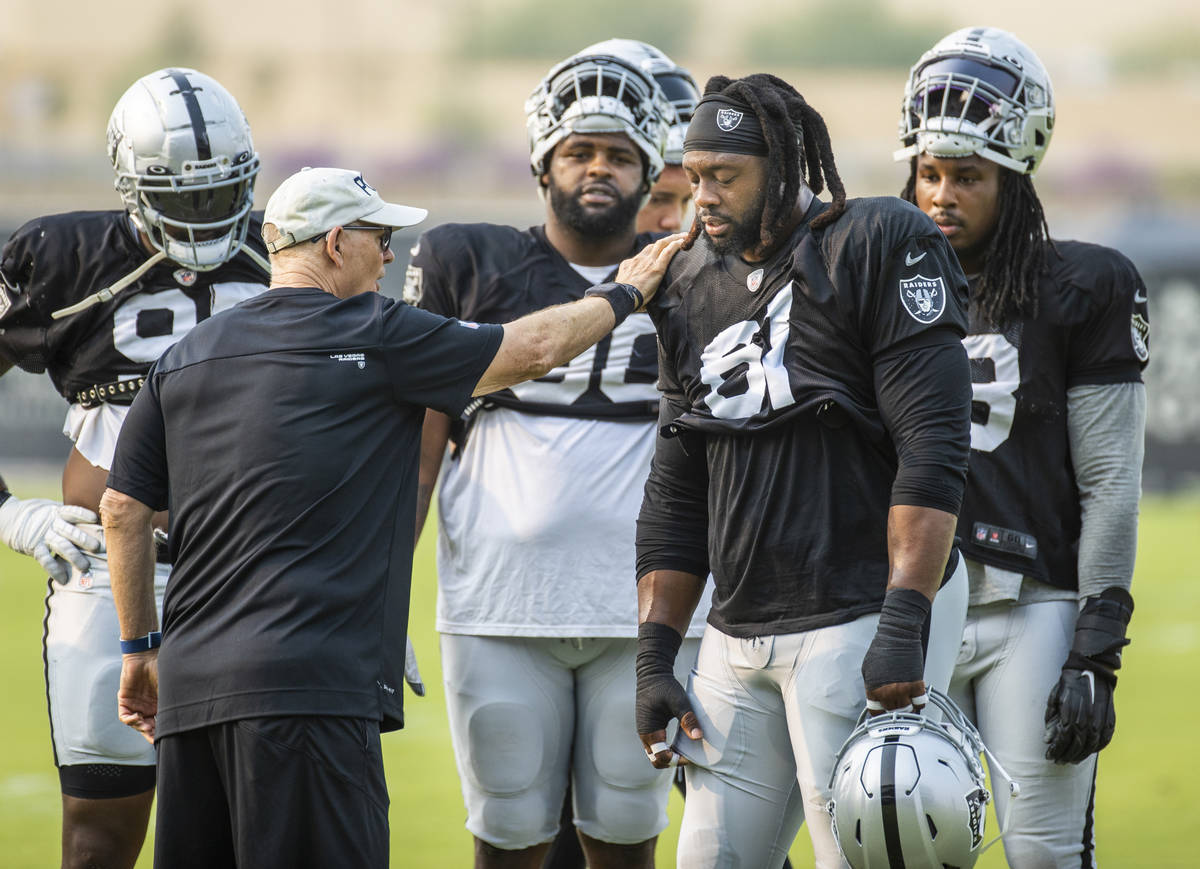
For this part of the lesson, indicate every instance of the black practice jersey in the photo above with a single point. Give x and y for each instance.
(802, 396)
(284, 435)
(53, 262)
(495, 274)
(1021, 511)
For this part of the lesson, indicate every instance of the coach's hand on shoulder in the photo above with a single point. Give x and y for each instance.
(48, 531)
(660, 697)
(646, 268)
(1080, 716)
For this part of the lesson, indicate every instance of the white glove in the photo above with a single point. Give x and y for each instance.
(412, 673)
(48, 531)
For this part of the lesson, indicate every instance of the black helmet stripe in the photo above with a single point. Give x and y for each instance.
(887, 801)
(199, 129)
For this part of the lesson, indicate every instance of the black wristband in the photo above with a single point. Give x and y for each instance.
(624, 298)
(896, 653)
(659, 696)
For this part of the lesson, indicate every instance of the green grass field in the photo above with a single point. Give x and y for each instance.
(1145, 812)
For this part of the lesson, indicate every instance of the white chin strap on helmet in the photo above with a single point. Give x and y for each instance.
(907, 791)
(598, 93)
(982, 91)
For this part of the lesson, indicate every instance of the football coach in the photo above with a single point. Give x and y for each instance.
(285, 434)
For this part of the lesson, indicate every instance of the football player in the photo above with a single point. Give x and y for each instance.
(540, 490)
(812, 450)
(92, 298)
(671, 194)
(1058, 339)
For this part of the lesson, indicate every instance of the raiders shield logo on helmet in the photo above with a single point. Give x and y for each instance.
(728, 119)
(924, 298)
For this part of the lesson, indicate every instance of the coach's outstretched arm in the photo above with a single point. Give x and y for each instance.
(539, 342)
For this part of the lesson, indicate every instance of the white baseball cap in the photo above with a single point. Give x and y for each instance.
(314, 201)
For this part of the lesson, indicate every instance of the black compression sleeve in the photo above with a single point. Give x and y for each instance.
(672, 528)
(924, 395)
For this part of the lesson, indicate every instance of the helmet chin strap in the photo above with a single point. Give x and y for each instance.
(108, 292)
(111, 290)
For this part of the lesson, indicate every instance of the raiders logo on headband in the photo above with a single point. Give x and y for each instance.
(728, 119)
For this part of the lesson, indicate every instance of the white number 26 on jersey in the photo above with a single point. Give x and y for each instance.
(764, 372)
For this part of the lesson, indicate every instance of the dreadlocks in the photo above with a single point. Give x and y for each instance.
(796, 137)
(1015, 255)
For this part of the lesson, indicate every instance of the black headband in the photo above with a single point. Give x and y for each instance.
(727, 125)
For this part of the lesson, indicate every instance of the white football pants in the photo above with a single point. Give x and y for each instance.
(775, 710)
(1010, 659)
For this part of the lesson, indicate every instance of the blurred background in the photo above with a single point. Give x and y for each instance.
(427, 99)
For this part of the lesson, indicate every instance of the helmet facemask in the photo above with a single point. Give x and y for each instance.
(978, 92)
(598, 94)
(185, 166)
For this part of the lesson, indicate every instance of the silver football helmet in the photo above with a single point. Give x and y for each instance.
(981, 91)
(677, 85)
(185, 165)
(907, 790)
(593, 92)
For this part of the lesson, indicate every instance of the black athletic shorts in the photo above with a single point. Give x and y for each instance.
(304, 791)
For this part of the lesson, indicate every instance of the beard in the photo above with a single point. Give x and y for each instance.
(616, 219)
(743, 234)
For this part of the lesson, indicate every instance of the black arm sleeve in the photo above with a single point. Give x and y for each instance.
(923, 387)
(672, 529)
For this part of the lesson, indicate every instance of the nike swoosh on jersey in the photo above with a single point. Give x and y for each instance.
(1139, 297)
(910, 260)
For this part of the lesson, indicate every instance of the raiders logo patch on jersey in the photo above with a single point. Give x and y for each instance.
(413, 277)
(924, 298)
(1139, 332)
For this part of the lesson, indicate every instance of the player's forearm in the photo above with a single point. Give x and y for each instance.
(669, 597)
(1106, 425)
(919, 541)
(434, 435)
(539, 342)
(129, 540)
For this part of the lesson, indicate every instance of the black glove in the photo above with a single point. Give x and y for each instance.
(1080, 717)
(660, 697)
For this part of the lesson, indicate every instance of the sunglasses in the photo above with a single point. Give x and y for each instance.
(385, 236)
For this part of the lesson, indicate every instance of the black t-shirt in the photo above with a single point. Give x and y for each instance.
(53, 262)
(284, 437)
(802, 397)
(495, 274)
(1021, 511)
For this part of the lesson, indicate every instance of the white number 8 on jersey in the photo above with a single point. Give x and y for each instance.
(998, 395)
